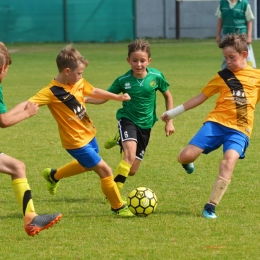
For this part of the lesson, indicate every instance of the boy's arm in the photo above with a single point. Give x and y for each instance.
(18, 113)
(218, 31)
(94, 101)
(249, 32)
(191, 103)
(98, 93)
(169, 128)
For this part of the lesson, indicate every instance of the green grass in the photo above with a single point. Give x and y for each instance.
(87, 230)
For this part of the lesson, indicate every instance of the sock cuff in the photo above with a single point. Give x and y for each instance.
(223, 179)
(20, 180)
(107, 179)
(125, 164)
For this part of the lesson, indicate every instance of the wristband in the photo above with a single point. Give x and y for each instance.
(175, 111)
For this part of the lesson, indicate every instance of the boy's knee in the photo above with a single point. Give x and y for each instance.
(19, 169)
(182, 156)
(132, 173)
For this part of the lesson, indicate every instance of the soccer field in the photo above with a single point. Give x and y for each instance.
(176, 230)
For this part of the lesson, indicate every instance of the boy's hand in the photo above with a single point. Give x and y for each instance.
(165, 117)
(169, 128)
(124, 97)
(31, 108)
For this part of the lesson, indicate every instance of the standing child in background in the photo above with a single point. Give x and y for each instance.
(235, 17)
(64, 96)
(33, 223)
(230, 123)
(137, 117)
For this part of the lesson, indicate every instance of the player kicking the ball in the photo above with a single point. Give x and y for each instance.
(230, 123)
(64, 96)
(33, 223)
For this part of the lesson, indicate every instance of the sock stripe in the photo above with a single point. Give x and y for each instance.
(120, 178)
(26, 198)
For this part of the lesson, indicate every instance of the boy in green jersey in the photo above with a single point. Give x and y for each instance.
(137, 116)
(33, 223)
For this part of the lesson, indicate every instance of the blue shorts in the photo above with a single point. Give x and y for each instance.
(212, 135)
(87, 155)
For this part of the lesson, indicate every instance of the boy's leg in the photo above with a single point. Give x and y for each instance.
(33, 223)
(219, 189)
(187, 156)
(124, 166)
(110, 189)
(112, 141)
(53, 176)
(222, 182)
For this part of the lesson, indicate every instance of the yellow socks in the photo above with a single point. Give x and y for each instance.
(111, 192)
(70, 169)
(220, 187)
(23, 196)
(121, 173)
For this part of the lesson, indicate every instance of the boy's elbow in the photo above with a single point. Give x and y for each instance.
(3, 122)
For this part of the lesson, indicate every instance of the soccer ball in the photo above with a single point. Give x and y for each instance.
(142, 201)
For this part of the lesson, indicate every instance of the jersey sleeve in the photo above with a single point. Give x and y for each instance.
(212, 87)
(87, 89)
(115, 87)
(42, 98)
(163, 84)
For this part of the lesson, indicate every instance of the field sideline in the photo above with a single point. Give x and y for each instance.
(87, 230)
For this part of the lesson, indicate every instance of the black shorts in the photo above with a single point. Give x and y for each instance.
(129, 131)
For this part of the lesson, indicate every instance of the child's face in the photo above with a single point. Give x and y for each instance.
(3, 72)
(73, 76)
(235, 61)
(138, 61)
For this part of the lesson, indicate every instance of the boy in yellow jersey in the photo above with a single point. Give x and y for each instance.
(230, 123)
(33, 223)
(64, 96)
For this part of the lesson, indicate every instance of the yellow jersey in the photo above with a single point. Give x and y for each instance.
(238, 96)
(67, 106)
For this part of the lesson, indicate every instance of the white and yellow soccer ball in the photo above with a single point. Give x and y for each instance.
(142, 201)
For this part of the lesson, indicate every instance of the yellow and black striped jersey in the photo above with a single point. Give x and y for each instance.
(238, 96)
(67, 106)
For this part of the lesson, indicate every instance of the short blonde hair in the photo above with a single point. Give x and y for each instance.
(5, 58)
(70, 58)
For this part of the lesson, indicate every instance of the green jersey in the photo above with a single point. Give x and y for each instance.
(2, 103)
(234, 19)
(141, 109)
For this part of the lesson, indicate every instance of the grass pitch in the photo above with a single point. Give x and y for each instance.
(87, 230)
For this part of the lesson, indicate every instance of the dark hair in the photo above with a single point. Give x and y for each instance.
(69, 57)
(237, 41)
(139, 45)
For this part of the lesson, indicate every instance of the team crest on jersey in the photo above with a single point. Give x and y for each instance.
(79, 111)
(238, 93)
(127, 85)
(252, 80)
(153, 83)
(239, 97)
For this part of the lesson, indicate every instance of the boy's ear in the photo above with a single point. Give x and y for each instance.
(245, 54)
(66, 71)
